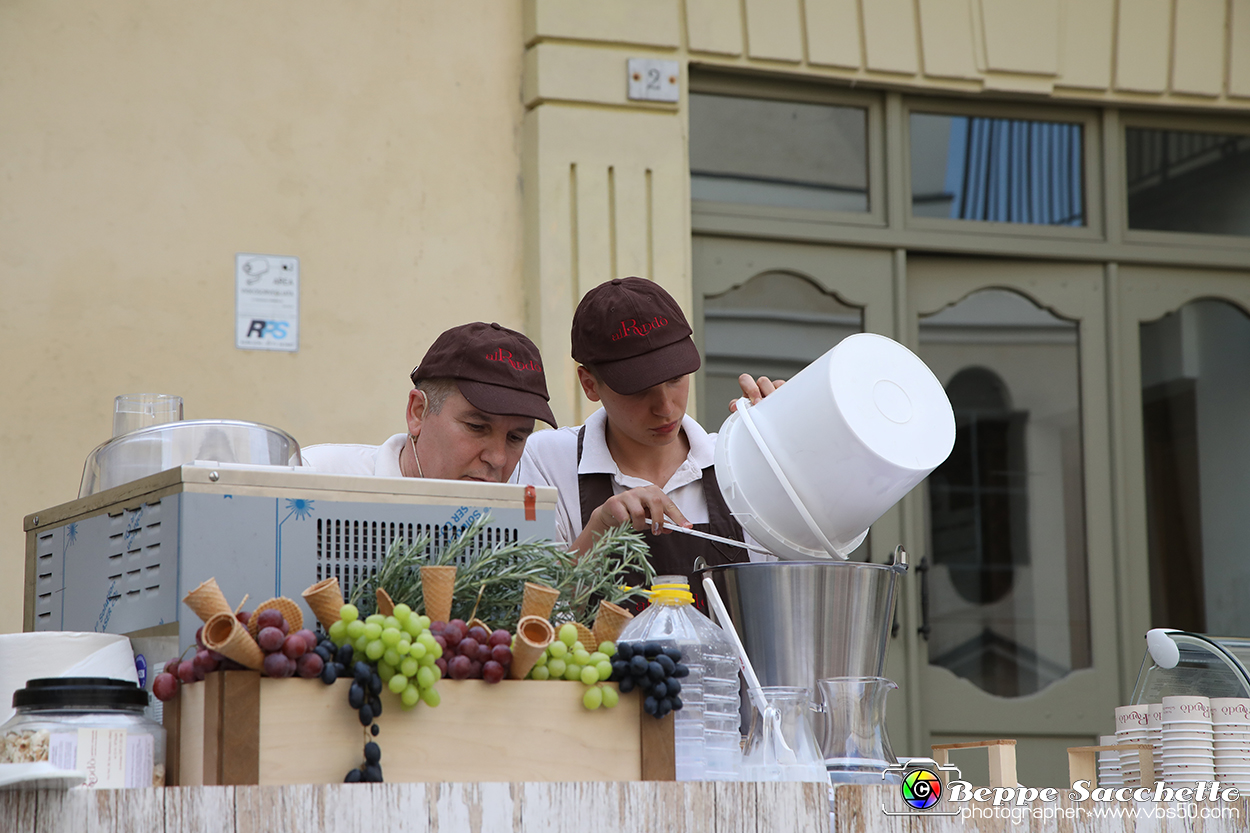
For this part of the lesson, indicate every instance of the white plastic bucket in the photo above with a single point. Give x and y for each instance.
(811, 467)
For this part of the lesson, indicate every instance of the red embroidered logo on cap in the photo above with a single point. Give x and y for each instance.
(502, 355)
(633, 327)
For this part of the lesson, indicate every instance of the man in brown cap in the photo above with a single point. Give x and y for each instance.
(476, 395)
(639, 458)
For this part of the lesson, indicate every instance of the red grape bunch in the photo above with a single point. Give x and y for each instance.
(472, 653)
(286, 654)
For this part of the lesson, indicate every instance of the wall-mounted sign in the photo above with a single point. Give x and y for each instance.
(266, 302)
(652, 79)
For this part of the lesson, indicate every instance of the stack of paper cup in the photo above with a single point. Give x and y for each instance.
(1130, 727)
(1188, 742)
(1154, 727)
(1230, 718)
(1109, 764)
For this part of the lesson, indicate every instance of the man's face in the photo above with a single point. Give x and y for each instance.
(461, 442)
(651, 417)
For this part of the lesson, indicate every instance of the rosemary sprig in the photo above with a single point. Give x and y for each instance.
(498, 572)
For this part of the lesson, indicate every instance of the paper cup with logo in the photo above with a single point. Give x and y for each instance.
(1191, 762)
(1130, 718)
(1175, 745)
(1222, 743)
(1231, 711)
(1186, 709)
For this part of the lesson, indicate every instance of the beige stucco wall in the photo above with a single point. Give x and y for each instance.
(144, 144)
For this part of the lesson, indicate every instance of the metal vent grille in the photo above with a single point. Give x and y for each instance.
(49, 580)
(107, 573)
(351, 549)
(134, 554)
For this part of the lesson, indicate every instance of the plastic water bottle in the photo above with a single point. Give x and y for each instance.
(708, 745)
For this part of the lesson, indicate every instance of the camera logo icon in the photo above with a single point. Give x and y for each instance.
(923, 783)
(921, 789)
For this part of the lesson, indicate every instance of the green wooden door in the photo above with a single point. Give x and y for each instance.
(1019, 602)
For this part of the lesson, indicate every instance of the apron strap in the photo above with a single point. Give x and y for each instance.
(671, 553)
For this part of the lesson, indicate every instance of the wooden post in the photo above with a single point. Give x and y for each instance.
(212, 728)
(659, 757)
(1082, 764)
(171, 718)
(1002, 764)
(1146, 759)
(1002, 753)
(239, 762)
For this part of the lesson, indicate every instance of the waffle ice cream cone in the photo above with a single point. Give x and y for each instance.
(533, 635)
(437, 586)
(609, 622)
(207, 600)
(226, 635)
(586, 637)
(539, 600)
(326, 600)
(289, 610)
(385, 606)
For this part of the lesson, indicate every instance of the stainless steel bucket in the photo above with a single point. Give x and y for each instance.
(804, 621)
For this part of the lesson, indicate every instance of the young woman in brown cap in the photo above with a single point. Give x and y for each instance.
(640, 458)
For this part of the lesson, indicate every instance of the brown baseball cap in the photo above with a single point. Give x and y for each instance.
(498, 370)
(634, 335)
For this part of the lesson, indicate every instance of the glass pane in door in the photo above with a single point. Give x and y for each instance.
(1008, 600)
(1195, 370)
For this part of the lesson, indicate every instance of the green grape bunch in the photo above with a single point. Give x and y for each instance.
(567, 659)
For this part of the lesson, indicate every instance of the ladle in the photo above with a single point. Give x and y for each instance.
(768, 713)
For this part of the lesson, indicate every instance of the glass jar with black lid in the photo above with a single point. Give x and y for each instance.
(95, 725)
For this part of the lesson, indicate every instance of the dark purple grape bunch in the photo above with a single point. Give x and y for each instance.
(655, 669)
(371, 770)
(365, 697)
(336, 660)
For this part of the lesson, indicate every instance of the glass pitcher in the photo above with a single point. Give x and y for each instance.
(781, 745)
(854, 741)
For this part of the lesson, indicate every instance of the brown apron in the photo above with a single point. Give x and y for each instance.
(672, 553)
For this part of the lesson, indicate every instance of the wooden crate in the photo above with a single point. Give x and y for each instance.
(237, 727)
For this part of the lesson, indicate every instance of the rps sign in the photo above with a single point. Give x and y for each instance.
(266, 302)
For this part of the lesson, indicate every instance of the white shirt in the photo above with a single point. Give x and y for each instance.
(550, 459)
(377, 460)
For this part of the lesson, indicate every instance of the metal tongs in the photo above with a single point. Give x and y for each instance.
(770, 717)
